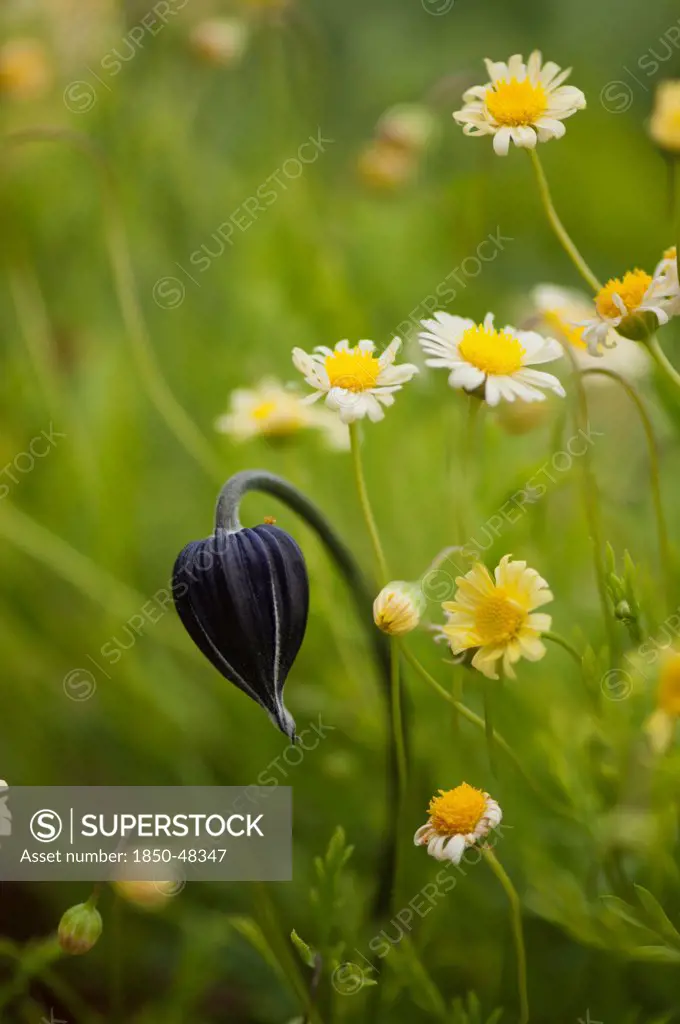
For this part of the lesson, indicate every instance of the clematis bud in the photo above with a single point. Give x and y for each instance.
(80, 928)
(243, 596)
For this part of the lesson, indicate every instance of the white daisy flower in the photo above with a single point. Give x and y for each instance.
(277, 412)
(562, 311)
(458, 819)
(522, 103)
(666, 273)
(495, 616)
(480, 356)
(633, 305)
(356, 383)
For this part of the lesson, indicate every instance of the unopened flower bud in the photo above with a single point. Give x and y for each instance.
(623, 611)
(398, 607)
(80, 928)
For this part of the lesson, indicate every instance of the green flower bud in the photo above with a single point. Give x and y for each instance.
(79, 928)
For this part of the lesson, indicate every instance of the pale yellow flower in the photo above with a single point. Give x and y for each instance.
(496, 616)
(398, 607)
(522, 103)
(277, 412)
(458, 819)
(661, 725)
(25, 70)
(664, 126)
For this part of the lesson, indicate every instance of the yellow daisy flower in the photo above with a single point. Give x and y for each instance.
(496, 617)
(660, 726)
(458, 819)
(664, 126)
(522, 103)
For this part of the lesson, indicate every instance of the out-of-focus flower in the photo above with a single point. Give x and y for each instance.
(409, 126)
(522, 103)
(220, 41)
(562, 313)
(497, 617)
(25, 69)
(80, 928)
(664, 126)
(398, 607)
(276, 412)
(458, 819)
(661, 725)
(518, 418)
(243, 598)
(385, 166)
(633, 305)
(666, 272)
(496, 362)
(148, 895)
(356, 383)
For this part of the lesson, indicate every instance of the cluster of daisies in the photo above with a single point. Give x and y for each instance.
(493, 621)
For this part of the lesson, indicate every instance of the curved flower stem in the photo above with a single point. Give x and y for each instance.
(518, 934)
(662, 361)
(592, 509)
(561, 642)
(665, 556)
(397, 720)
(227, 516)
(479, 723)
(118, 248)
(558, 227)
(488, 726)
(365, 503)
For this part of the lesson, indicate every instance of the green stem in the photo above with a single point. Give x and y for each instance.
(397, 721)
(518, 934)
(488, 726)
(365, 503)
(665, 556)
(662, 361)
(561, 642)
(227, 515)
(158, 390)
(558, 227)
(592, 509)
(465, 712)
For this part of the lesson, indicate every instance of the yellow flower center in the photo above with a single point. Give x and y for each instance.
(278, 418)
(571, 333)
(264, 410)
(516, 102)
(352, 369)
(457, 811)
(668, 697)
(630, 289)
(492, 351)
(498, 619)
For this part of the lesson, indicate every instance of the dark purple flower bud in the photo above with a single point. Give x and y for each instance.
(243, 597)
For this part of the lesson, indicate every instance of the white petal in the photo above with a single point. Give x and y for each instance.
(501, 141)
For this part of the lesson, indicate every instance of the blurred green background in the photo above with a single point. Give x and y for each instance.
(91, 532)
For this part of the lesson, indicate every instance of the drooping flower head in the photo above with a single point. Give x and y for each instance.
(633, 305)
(495, 361)
(273, 411)
(561, 313)
(664, 126)
(243, 598)
(522, 103)
(496, 616)
(458, 819)
(355, 381)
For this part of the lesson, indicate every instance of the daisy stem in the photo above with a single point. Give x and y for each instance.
(665, 556)
(561, 642)
(465, 712)
(516, 918)
(488, 726)
(365, 503)
(559, 228)
(397, 723)
(662, 361)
